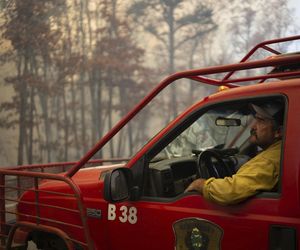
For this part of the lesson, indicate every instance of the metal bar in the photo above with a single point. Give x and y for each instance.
(42, 191)
(73, 186)
(263, 46)
(228, 82)
(163, 84)
(64, 164)
(271, 50)
(264, 77)
(42, 205)
(51, 221)
(213, 82)
(33, 174)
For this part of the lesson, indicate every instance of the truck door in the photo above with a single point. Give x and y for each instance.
(190, 222)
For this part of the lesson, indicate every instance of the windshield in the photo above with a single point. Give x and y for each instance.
(217, 128)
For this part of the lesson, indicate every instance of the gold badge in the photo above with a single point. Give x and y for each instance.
(197, 234)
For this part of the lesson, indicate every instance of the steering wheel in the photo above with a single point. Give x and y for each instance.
(208, 168)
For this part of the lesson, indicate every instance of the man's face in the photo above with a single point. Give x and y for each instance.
(263, 133)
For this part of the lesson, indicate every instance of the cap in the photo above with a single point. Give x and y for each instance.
(271, 111)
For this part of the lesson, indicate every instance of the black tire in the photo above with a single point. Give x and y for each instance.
(48, 241)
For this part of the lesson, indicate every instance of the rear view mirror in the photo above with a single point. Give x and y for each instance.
(228, 122)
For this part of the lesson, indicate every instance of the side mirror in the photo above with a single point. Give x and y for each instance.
(118, 185)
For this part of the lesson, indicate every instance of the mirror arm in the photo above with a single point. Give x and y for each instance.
(134, 193)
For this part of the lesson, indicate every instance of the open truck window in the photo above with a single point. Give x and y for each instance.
(215, 144)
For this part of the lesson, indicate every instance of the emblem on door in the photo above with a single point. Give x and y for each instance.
(197, 234)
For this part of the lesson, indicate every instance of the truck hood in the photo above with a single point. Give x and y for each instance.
(88, 179)
(56, 196)
(93, 174)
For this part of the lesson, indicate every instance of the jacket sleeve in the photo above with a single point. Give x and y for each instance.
(259, 174)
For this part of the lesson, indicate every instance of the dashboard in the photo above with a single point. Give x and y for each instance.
(170, 177)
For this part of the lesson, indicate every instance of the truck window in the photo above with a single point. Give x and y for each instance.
(223, 129)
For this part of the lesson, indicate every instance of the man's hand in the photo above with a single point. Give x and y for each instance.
(196, 185)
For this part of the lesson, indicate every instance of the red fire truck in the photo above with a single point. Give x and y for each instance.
(140, 203)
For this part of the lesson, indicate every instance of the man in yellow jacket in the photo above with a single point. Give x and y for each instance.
(261, 173)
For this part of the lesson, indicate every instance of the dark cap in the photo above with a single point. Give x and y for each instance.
(272, 111)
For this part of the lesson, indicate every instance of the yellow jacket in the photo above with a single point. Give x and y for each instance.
(259, 174)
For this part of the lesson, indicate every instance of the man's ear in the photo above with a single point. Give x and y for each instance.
(279, 132)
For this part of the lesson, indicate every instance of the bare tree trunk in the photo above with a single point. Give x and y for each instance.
(68, 47)
(74, 118)
(99, 121)
(110, 111)
(82, 112)
(66, 128)
(123, 101)
(31, 121)
(34, 72)
(173, 105)
(56, 113)
(111, 78)
(99, 115)
(93, 98)
(22, 108)
(45, 110)
(82, 76)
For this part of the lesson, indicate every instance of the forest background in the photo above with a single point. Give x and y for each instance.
(70, 69)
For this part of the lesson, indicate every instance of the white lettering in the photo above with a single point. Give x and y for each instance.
(126, 214)
(132, 218)
(111, 213)
(124, 210)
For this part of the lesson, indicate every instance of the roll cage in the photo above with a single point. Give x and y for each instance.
(203, 76)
